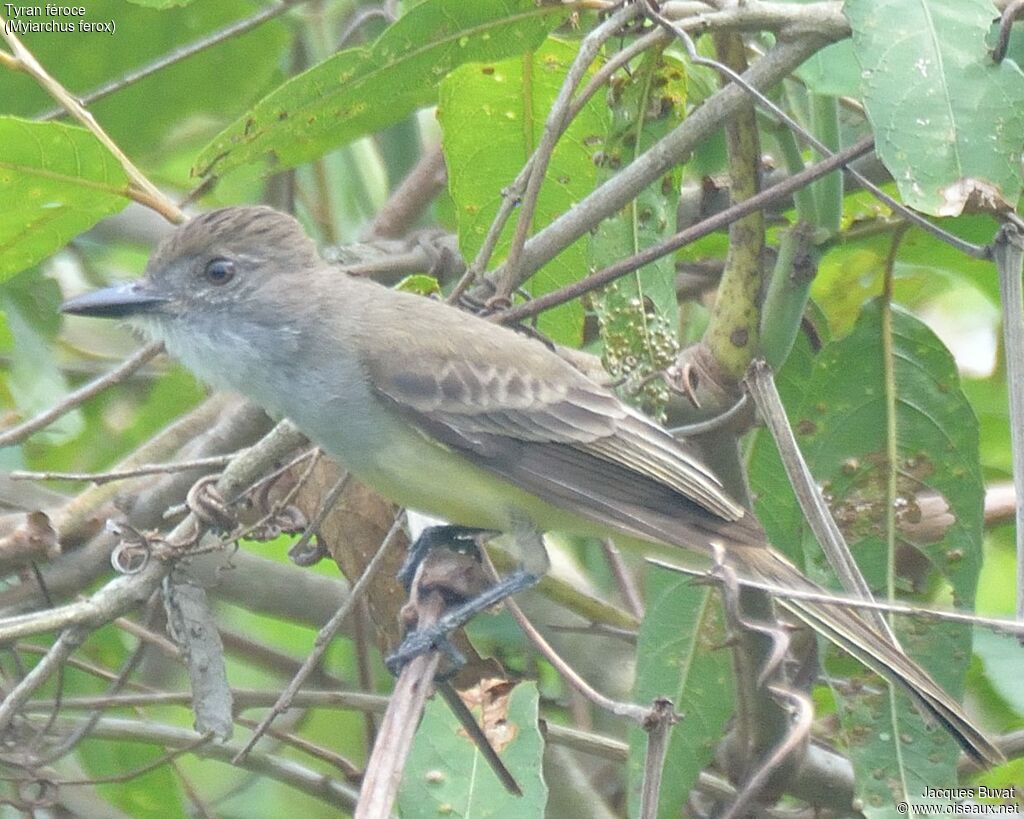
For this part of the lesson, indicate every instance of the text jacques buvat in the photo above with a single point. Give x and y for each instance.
(51, 18)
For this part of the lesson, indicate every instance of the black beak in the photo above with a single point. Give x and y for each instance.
(119, 301)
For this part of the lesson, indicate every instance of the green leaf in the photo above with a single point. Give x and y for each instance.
(55, 182)
(362, 90)
(639, 313)
(492, 117)
(947, 120)
(852, 272)
(420, 284)
(447, 776)
(156, 794)
(679, 656)
(174, 109)
(839, 413)
(833, 71)
(34, 380)
(1001, 657)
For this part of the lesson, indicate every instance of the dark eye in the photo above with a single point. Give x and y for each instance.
(220, 271)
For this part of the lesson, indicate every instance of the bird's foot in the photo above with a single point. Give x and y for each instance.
(435, 636)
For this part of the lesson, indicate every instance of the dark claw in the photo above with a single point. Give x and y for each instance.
(421, 641)
(435, 636)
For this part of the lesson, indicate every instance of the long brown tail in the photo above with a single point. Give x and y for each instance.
(846, 628)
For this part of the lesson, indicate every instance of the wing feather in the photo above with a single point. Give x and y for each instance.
(552, 415)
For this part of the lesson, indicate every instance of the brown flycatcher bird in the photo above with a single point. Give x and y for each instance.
(455, 416)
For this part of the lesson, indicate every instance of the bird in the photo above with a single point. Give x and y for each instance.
(450, 414)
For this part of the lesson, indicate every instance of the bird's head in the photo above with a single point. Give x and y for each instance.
(220, 261)
(229, 288)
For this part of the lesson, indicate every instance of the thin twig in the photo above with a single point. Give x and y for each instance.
(142, 770)
(69, 640)
(629, 710)
(140, 188)
(270, 477)
(613, 64)
(892, 607)
(243, 698)
(126, 591)
(423, 183)
(387, 761)
(326, 505)
(124, 474)
(795, 738)
(1006, 21)
(351, 771)
(510, 198)
(280, 504)
(976, 251)
(66, 745)
(761, 387)
(555, 124)
(622, 188)
(360, 17)
(659, 728)
(691, 234)
(306, 780)
(17, 434)
(624, 579)
(1009, 256)
(324, 637)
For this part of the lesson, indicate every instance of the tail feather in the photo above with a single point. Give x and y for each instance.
(850, 631)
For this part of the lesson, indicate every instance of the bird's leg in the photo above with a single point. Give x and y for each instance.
(446, 560)
(457, 538)
(435, 637)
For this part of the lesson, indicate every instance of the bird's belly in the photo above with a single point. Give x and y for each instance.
(405, 466)
(425, 476)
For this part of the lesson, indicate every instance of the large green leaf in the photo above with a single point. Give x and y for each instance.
(851, 272)
(492, 117)
(362, 90)
(447, 776)
(947, 121)
(839, 410)
(679, 656)
(55, 182)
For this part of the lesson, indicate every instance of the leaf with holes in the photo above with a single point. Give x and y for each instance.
(947, 121)
(362, 90)
(492, 116)
(894, 445)
(447, 776)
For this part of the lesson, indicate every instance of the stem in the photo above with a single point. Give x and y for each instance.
(140, 189)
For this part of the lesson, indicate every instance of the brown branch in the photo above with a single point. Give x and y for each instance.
(394, 738)
(124, 474)
(713, 223)
(424, 182)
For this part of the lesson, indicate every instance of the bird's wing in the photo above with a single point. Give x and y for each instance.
(528, 416)
(522, 412)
